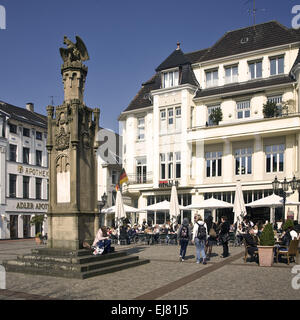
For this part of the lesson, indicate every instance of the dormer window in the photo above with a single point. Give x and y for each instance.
(170, 79)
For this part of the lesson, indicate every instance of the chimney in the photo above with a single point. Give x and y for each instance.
(30, 107)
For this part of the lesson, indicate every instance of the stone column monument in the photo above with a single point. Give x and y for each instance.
(73, 212)
(72, 146)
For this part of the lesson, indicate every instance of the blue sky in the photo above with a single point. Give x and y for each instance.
(126, 40)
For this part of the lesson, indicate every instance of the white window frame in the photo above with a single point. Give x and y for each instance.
(276, 98)
(243, 107)
(141, 128)
(275, 150)
(233, 77)
(178, 118)
(211, 157)
(163, 121)
(243, 155)
(276, 65)
(213, 82)
(162, 157)
(177, 161)
(141, 176)
(255, 64)
(170, 78)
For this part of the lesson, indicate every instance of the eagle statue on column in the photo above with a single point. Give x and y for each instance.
(74, 52)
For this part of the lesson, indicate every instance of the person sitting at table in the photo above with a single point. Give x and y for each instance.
(293, 233)
(239, 234)
(251, 242)
(156, 233)
(131, 234)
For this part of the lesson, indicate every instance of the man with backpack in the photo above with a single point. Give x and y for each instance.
(184, 236)
(199, 238)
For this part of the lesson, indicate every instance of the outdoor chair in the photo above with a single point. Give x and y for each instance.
(123, 240)
(114, 239)
(173, 239)
(141, 237)
(246, 251)
(163, 238)
(231, 238)
(289, 251)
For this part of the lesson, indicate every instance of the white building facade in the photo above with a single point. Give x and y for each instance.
(23, 171)
(169, 136)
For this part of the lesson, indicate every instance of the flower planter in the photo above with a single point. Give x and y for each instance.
(266, 255)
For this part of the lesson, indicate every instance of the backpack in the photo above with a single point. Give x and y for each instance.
(184, 232)
(201, 235)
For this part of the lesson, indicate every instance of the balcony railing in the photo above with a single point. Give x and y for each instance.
(140, 178)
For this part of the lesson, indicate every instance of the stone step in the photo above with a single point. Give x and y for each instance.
(106, 270)
(69, 266)
(69, 260)
(61, 252)
(17, 266)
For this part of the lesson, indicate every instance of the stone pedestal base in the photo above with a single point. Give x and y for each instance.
(69, 231)
(80, 264)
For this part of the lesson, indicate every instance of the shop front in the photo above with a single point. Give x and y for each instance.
(16, 223)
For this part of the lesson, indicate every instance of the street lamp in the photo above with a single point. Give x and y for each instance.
(101, 204)
(294, 183)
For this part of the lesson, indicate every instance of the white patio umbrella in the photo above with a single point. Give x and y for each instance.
(119, 210)
(239, 207)
(174, 205)
(273, 201)
(127, 209)
(160, 206)
(211, 203)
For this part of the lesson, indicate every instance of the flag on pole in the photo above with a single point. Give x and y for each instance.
(123, 177)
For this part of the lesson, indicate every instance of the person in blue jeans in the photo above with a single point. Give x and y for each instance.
(199, 238)
(184, 236)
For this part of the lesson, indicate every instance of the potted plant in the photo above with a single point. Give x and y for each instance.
(38, 238)
(266, 247)
(271, 109)
(216, 116)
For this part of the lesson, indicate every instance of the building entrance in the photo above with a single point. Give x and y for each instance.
(13, 226)
(26, 227)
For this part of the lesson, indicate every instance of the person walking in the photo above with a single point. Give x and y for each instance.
(224, 236)
(184, 236)
(199, 238)
(212, 236)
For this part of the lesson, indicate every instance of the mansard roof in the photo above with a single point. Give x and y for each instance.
(260, 36)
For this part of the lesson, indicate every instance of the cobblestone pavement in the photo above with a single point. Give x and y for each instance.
(163, 278)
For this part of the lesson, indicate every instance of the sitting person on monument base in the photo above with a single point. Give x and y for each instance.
(102, 242)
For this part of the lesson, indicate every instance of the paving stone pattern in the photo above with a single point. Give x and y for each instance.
(221, 278)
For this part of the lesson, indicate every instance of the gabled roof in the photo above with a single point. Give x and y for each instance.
(23, 115)
(175, 59)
